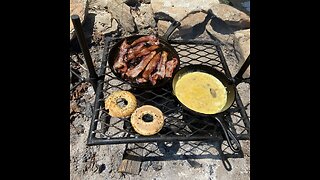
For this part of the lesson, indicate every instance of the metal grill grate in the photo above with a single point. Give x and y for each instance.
(179, 125)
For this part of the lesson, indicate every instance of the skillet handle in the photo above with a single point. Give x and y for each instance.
(174, 25)
(235, 147)
(164, 17)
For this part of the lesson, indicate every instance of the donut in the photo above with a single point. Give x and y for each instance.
(115, 110)
(154, 124)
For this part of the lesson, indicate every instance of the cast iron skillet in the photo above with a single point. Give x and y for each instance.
(230, 85)
(164, 45)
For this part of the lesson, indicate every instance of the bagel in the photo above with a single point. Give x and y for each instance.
(115, 110)
(147, 128)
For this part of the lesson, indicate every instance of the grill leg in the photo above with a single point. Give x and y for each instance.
(93, 77)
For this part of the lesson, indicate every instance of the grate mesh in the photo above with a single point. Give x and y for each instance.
(179, 124)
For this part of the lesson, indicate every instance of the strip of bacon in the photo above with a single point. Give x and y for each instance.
(161, 69)
(144, 39)
(153, 43)
(134, 72)
(142, 52)
(124, 68)
(153, 78)
(151, 66)
(119, 61)
(170, 65)
(132, 52)
(146, 51)
(141, 80)
(134, 62)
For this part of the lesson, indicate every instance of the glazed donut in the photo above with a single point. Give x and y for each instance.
(111, 104)
(147, 128)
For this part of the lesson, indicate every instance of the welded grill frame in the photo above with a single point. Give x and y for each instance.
(184, 127)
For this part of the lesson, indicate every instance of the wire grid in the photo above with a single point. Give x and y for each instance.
(178, 123)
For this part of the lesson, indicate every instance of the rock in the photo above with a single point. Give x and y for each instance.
(242, 5)
(162, 27)
(87, 155)
(101, 3)
(145, 165)
(242, 43)
(80, 129)
(131, 2)
(101, 168)
(178, 9)
(104, 23)
(193, 19)
(156, 165)
(121, 12)
(210, 169)
(192, 26)
(88, 96)
(145, 1)
(74, 107)
(144, 17)
(219, 30)
(242, 47)
(88, 111)
(231, 15)
(90, 91)
(80, 8)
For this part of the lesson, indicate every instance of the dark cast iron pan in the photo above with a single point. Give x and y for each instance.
(164, 46)
(230, 85)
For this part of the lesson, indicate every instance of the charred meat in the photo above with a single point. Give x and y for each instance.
(135, 71)
(170, 65)
(151, 66)
(141, 61)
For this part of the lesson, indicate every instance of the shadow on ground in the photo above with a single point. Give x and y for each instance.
(190, 151)
(193, 32)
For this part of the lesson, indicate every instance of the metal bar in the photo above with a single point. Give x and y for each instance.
(99, 94)
(85, 50)
(229, 121)
(104, 57)
(224, 62)
(193, 41)
(238, 100)
(77, 75)
(73, 87)
(243, 136)
(243, 112)
(93, 125)
(102, 141)
(174, 25)
(238, 77)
